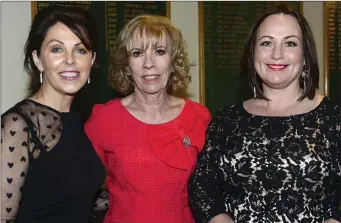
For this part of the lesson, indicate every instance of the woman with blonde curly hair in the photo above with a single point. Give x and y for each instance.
(149, 140)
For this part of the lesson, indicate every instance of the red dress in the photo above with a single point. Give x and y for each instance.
(148, 164)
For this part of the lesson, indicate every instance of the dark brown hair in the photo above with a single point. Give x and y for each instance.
(309, 51)
(80, 22)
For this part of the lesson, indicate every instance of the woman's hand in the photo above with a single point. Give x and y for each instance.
(224, 218)
(331, 221)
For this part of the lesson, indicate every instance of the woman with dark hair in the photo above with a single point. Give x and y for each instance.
(275, 157)
(50, 172)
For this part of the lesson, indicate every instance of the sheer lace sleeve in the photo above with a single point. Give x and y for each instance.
(205, 198)
(28, 130)
(46, 124)
(14, 162)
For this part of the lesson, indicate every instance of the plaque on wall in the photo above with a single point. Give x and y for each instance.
(110, 18)
(223, 29)
(332, 47)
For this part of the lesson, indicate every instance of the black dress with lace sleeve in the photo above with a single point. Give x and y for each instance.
(270, 169)
(50, 172)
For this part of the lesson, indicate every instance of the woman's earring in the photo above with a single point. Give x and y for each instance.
(41, 77)
(254, 92)
(304, 77)
(89, 80)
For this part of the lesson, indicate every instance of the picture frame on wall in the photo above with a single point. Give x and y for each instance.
(332, 50)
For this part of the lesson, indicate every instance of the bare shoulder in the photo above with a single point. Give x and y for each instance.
(314, 103)
(318, 99)
(127, 101)
(248, 103)
(194, 106)
(251, 105)
(176, 102)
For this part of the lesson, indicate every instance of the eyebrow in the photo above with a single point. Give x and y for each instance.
(287, 37)
(135, 48)
(55, 40)
(157, 47)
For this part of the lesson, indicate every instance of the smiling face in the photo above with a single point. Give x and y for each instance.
(150, 63)
(279, 57)
(64, 60)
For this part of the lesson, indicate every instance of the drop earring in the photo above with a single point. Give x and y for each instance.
(41, 77)
(254, 92)
(89, 80)
(304, 77)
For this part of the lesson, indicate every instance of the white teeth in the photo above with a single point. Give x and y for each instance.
(274, 66)
(69, 74)
(151, 77)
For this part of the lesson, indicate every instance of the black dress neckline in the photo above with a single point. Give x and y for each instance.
(248, 114)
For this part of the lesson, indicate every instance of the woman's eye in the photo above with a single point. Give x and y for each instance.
(291, 44)
(160, 52)
(266, 43)
(81, 51)
(56, 50)
(136, 53)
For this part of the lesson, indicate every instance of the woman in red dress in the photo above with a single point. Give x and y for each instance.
(150, 139)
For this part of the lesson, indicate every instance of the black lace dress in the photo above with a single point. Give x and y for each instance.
(270, 169)
(50, 172)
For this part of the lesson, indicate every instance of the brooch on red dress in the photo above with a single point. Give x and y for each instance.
(186, 141)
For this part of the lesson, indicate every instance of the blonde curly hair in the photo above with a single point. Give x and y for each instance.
(152, 28)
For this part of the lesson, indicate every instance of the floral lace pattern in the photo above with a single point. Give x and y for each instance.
(269, 169)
